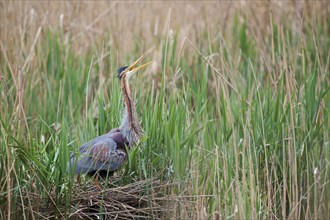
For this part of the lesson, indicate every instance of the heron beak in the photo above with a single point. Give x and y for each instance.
(132, 68)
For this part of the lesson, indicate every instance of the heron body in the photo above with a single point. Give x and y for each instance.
(106, 153)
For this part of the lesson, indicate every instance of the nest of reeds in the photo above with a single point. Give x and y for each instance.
(143, 199)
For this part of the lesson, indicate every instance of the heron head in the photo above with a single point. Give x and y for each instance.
(120, 71)
(133, 68)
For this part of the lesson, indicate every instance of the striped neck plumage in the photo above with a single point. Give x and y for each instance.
(130, 125)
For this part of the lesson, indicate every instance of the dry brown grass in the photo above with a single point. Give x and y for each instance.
(142, 199)
(132, 26)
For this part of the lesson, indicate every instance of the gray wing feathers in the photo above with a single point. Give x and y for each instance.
(99, 155)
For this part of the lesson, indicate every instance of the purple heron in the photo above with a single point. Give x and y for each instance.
(105, 154)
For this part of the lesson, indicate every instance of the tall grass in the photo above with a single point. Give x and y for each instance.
(240, 124)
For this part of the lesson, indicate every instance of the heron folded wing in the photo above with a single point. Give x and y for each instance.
(102, 155)
(101, 152)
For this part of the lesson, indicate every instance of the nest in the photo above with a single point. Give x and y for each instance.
(138, 200)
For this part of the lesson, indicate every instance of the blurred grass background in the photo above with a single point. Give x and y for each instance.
(235, 105)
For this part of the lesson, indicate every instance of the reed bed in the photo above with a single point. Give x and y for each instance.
(235, 108)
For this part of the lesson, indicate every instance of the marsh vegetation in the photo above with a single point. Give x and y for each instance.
(235, 108)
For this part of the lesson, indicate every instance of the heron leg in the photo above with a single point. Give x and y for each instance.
(76, 179)
(97, 183)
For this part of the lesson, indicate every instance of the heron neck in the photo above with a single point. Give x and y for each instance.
(128, 101)
(129, 123)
